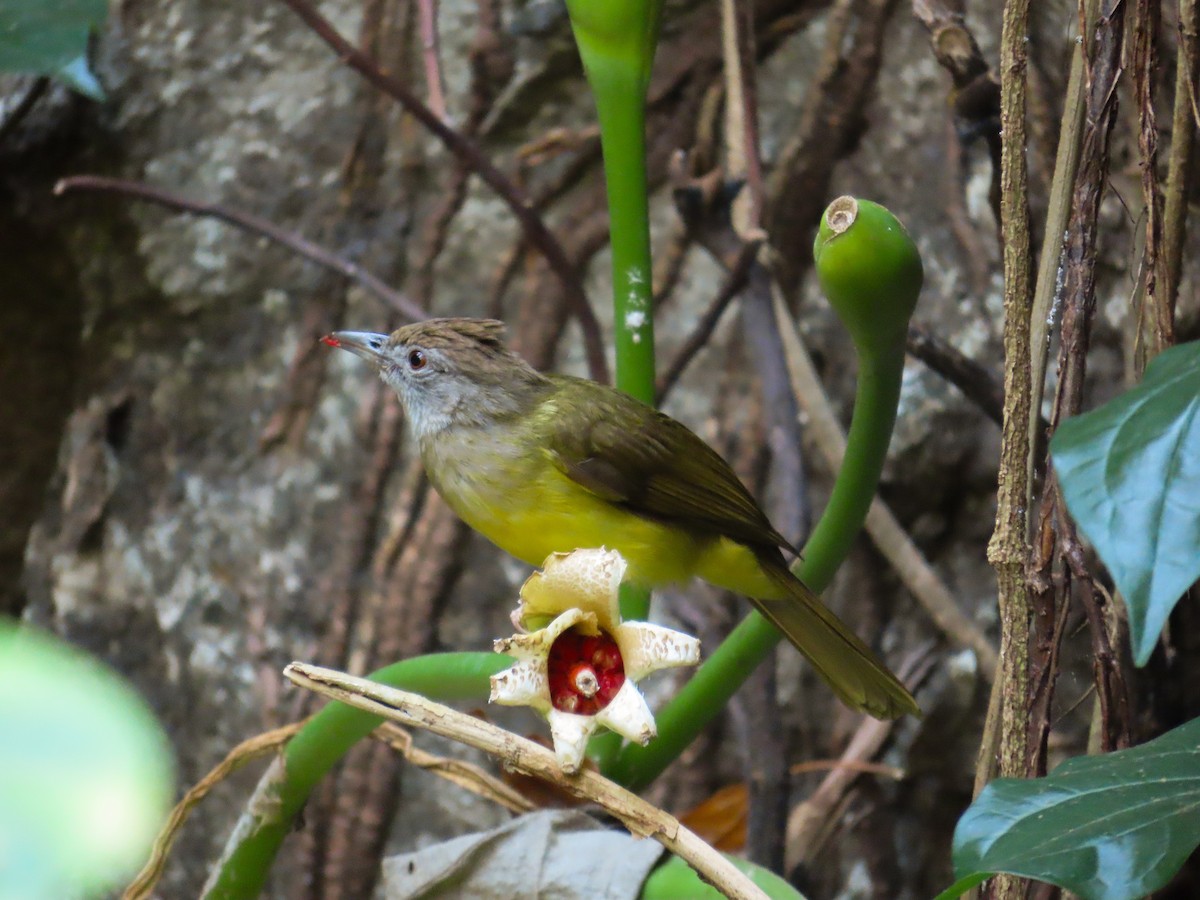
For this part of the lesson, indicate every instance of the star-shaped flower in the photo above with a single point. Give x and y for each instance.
(580, 670)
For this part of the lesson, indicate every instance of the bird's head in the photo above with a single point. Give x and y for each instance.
(447, 371)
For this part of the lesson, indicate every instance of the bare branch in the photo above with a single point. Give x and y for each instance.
(469, 152)
(525, 756)
(250, 222)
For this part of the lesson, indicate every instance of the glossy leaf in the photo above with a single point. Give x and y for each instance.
(51, 38)
(1130, 473)
(1112, 827)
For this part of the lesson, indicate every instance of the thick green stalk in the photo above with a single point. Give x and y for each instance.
(316, 749)
(620, 102)
(621, 106)
(871, 272)
(616, 40)
(706, 694)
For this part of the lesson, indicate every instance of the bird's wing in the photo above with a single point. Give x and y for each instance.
(646, 462)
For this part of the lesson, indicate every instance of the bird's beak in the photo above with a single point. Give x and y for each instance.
(366, 344)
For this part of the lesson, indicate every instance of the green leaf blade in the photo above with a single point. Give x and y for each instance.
(51, 39)
(1113, 827)
(1130, 474)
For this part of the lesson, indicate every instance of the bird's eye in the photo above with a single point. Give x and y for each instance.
(417, 360)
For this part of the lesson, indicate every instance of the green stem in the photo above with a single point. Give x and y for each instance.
(706, 694)
(318, 746)
(621, 107)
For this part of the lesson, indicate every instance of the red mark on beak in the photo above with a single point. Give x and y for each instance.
(330, 341)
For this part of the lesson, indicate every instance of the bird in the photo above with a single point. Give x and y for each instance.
(541, 463)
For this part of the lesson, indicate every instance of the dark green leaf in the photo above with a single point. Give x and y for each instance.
(1130, 473)
(1112, 827)
(50, 37)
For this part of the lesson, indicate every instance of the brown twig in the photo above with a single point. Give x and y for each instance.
(766, 767)
(895, 773)
(466, 775)
(397, 620)
(1155, 328)
(953, 43)
(742, 161)
(324, 869)
(436, 229)
(510, 263)
(976, 382)
(525, 756)
(811, 823)
(1048, 288)
(798, 185)
(1112, 691)
(976, 95)
(1049, 624)
(669, 266)
(1079, 293)
(427, 17)
(249, 750)
(249, 222)
(735, 280)
(1005, 735)
(1079, 275)
(467, 150)
(1179, 161)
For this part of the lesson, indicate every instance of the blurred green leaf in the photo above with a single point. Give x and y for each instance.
(50, 37)
(1130, 473)
(963, 885)
(1112, 827)
(676, 880)
(85, 771)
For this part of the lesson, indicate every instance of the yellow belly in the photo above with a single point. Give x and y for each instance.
(550, 513)
(525, 505)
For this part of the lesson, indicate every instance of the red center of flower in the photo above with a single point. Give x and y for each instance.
(585, 672)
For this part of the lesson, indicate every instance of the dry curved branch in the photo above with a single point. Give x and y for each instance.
(467, 776)
(525, 756)
(249, 222)
(247, 751)
(811, 822)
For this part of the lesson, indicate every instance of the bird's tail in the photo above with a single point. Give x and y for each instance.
(848, 666)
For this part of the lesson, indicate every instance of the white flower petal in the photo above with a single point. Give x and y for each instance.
(588, 579)
(646, 648)
(570, 733)
(524, 684)
(536, 644)
(628, 715)
(581, 590)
